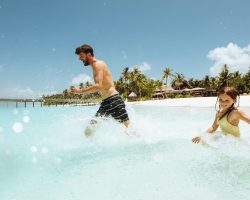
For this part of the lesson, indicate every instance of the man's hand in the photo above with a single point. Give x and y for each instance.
(196, 140)
(74, 89)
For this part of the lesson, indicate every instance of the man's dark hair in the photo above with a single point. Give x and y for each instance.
(85, 49)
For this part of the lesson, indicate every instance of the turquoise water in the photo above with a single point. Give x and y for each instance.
(45, 155)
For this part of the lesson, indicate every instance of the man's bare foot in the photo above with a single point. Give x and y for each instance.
(126, 123)
(89, 131)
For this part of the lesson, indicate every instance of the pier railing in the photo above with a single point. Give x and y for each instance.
(49, 102)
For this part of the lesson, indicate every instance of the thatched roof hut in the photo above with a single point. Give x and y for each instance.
(132, 95)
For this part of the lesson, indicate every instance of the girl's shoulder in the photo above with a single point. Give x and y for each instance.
(239, 112)
(236, 112)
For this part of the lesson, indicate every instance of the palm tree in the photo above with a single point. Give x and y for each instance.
(167, 73)
(119, 85)
(138, 80)
(238, 82)
(191, 82)
(65, 93)
(206, 82)
(87, 84)
(125, 76)
(213, 83)
(179, 82)
(225, 76)
(125, 73)
(81, 85)
(246, 80)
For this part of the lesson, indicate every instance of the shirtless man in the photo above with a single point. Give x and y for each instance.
(112, 104)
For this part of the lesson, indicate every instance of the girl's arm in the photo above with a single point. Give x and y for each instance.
(212, 129)
(243, 116)
(215, 125)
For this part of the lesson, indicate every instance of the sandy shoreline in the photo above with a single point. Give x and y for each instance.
(189, 102)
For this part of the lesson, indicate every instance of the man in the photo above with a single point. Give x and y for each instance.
(112, 104)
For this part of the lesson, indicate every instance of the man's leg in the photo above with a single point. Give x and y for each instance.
(89, 130)
(117, 110)
(126, 123)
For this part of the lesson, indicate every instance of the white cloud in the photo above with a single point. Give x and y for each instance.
(81, 78)
(48, 90)
(124, 55)
(237, 58)
(145, 66)
(142, 67)
(24, 92)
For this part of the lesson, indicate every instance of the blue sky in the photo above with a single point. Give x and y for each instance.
(194, 37)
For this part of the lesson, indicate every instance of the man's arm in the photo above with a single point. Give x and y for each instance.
(98, 77)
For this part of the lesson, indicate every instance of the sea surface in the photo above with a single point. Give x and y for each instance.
(44, 154)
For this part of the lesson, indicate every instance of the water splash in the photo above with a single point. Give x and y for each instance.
(153, 159)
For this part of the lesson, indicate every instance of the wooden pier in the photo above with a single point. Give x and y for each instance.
(49, 102)
(22, 102)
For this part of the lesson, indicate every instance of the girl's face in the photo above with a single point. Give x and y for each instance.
(225, 101)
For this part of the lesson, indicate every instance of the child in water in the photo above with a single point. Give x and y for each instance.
(228, 116)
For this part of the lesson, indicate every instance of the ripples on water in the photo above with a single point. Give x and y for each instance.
(45, 155)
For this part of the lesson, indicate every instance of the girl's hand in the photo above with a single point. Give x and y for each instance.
(196, 140)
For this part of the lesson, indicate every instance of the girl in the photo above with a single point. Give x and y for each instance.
(228, 116)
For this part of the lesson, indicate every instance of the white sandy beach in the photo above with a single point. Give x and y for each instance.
(190, 102)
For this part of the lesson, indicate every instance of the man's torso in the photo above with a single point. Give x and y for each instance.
(108, 87)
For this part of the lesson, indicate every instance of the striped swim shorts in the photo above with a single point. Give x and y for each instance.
(113, 106)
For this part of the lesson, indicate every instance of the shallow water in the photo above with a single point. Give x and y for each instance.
(45, 155)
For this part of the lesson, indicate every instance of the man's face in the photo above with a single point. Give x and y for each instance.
(84, 58)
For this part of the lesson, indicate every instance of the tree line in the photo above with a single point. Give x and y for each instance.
(133, 80)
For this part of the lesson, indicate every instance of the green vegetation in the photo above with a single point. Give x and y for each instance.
(70, 98)
(144, 87)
